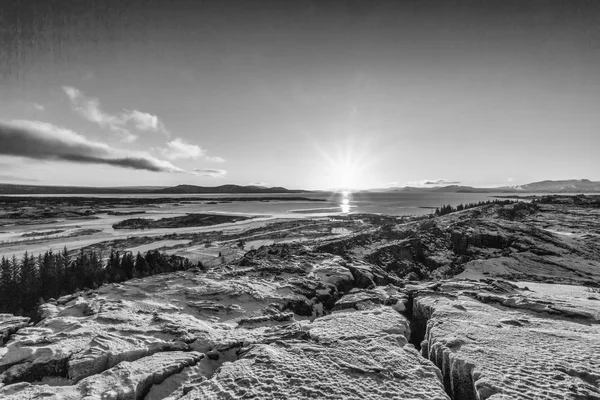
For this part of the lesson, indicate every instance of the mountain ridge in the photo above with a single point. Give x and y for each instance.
(545, 186)
(9, 188)
(227, 189)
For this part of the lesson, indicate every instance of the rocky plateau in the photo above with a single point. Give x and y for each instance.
(494, 302)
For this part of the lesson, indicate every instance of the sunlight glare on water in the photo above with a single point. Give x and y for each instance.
(345, 204)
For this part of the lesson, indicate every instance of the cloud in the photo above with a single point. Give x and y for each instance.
(142, 121)
(122, 123)
(215, 159)
(89, 108)
(213, 173)
(38, 106)
(71, 92)
(440, 182)
(44, 141)
(510, 180)
(258, 184)
(430, 182)
(126, 135)
(177, 148)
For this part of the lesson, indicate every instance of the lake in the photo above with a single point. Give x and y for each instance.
(404, 203)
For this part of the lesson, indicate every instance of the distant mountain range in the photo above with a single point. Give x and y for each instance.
(571, 185)
(192, 189)
(180, 189)
(6, 188)
(564, 186)
(443, 189)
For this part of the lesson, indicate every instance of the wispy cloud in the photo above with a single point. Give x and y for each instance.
(213, 173)
(142, 121)
(215, 159)
(430, 182)
(89, 108)
(125, 134)
(38, 106)
(178, 148)
(121, 123)
(44, 141)
(440, 182)
(258, 184)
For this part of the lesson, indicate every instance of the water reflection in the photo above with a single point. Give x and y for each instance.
(345, 203)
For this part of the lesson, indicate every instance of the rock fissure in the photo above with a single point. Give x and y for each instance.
(484, 350)
(457, 375)
(159, 379)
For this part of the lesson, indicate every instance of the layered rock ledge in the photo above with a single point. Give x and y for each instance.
(512, 345)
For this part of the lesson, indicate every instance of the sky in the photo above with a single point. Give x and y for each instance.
(302, 94)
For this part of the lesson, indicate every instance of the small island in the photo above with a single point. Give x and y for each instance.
(184, 221)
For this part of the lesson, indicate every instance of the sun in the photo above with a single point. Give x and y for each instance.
(343, 170)
(344, 175)
(345, 164)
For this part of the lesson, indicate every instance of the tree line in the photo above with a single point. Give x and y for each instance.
(447, 209)
(29, 281)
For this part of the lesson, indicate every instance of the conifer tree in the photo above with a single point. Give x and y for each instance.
(127, 265)
(8, 289)
(140, 266)
(61, 270)
(29, 282)
(96, 269)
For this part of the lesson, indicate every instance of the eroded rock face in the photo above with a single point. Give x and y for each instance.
(364, 298)
(128, 380)
(10, 324)
(347, 355)
(555, 243)
(521, 345)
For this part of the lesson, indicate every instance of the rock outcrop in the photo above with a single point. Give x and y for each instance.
(350, 354)
(128, 380)
(553, 242)
(512, 346)
(10, 324)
